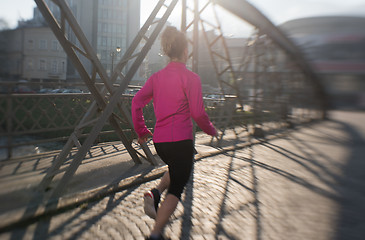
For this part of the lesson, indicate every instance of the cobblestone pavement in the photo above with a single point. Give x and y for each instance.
(307, 185)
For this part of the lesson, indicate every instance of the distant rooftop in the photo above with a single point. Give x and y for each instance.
(325, 24)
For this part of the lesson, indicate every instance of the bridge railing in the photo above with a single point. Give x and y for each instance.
(45, 121)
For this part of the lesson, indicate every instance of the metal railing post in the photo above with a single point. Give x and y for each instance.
(9, 120)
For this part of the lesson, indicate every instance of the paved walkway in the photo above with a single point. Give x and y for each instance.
(309, 184)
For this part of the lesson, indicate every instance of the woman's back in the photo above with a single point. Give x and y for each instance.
(176, 94)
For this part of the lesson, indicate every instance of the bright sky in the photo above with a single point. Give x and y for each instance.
(277, 11)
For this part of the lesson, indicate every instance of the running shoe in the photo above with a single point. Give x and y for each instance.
(159, 238)
(151, 201)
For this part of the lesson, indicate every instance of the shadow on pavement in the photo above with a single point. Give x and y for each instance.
(351, 224)
(321, 174)
(346, 187)
(112, 203)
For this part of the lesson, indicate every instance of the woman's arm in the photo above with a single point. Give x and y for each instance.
(197, 109)
(140, 100)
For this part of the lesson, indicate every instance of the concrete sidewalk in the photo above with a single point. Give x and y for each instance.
(308, 184)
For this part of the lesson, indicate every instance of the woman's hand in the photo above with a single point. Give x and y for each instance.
(144, 138)
(216, 133)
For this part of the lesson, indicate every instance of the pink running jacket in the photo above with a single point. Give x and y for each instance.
(177, 97)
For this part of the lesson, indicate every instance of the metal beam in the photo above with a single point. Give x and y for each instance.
(113, 101)
(102, 97)
(247, 12)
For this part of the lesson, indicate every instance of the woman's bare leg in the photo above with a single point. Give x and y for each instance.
(164, 212)
(164, 183)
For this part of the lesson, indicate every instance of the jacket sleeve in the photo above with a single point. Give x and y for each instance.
(197, 109)
(140, 100)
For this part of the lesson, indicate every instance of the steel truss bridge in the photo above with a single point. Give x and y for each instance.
(283, 88)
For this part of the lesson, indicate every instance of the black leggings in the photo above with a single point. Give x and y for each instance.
(179, 158)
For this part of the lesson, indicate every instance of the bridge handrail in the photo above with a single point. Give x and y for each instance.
(41, 115)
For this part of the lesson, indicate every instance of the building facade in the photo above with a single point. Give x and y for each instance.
(32, 53)
(335, 46)
(118, 22)
(107, 24)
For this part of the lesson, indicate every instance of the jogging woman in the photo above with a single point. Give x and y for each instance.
(177, 97)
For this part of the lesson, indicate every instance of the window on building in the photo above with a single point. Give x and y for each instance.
(117, 13)
(55, 45)
(30, 44)
(42, 65)
(115, 26)
(119, 28)
(109, 45)
(99, 41)
(124, 3)
(42, 44)
(17, 64)
(104, 55)
(103, 41)
(124, 42)
(30, 64)
(54, 66)
(105, 14)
